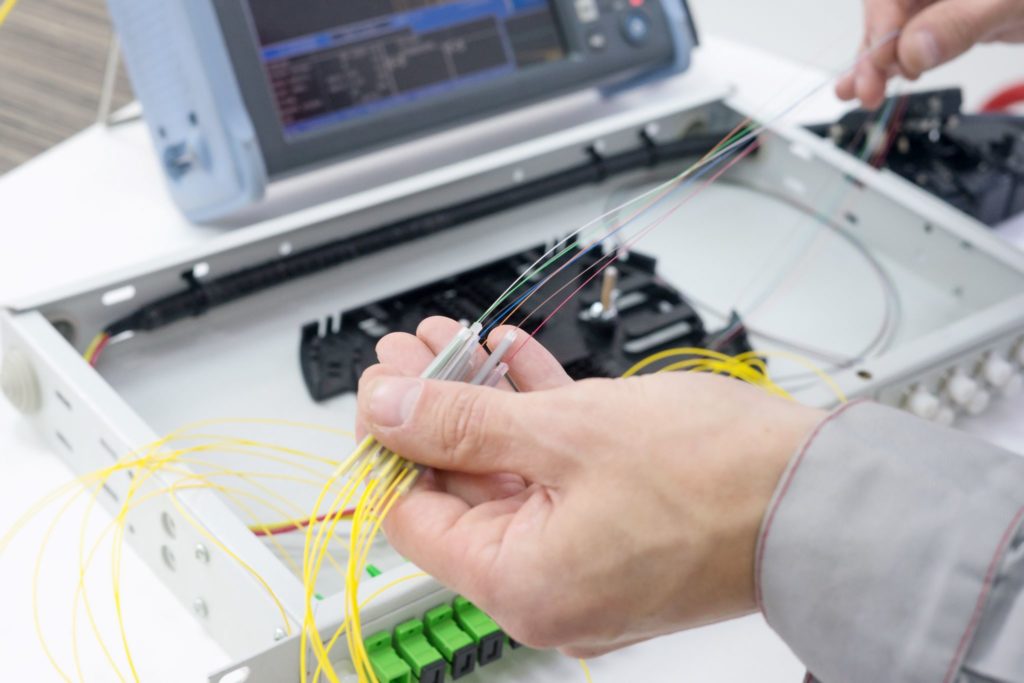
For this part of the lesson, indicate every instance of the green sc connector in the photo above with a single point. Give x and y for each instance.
(458, 649)
(387, 665)
(428, 666)
(485, 632)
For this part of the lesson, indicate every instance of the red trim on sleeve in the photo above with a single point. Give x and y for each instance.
(770, 515)
(979, 607)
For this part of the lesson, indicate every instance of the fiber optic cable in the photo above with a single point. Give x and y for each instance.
(145, 460)
(202, 482)
(738, 139)
(5, 9)
(843, 189)
(636, 239)
(509, 311)
(586, 671)
(746, 133)
(116, 467)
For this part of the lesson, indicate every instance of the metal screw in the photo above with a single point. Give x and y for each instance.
(279, 633)
(200, 608)
(202, 553)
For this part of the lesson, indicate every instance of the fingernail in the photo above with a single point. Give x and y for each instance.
(927, 48)
(393, 400)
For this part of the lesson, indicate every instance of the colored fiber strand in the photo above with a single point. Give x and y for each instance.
(95, 348)
(295, 525)
(747, 131)
(636, 239)
(506, 314)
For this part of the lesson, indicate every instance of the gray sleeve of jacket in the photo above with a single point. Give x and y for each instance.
(893, 551)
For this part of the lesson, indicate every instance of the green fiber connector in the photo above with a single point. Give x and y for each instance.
(458, 649)
(428, 665)
(473, 620)
(373, 571)
(485, 632)
(387, 665)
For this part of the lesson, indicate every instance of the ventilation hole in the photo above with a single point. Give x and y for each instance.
(60, 397)
(110, 451)
(67, 444)
(851, 218)
(118, 296)
(966, 246)
(168, 556)
(200, 270)
(167, 522)
(958, 292)
(131, 528)
(111, 493)
(193, 119)
(237, 676)
(865, 375)
(928, 228)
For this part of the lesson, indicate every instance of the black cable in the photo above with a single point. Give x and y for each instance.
(200, 296)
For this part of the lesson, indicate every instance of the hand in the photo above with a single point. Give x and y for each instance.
(932, 32)
(584, 516)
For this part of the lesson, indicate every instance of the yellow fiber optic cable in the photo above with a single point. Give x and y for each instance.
(826, 378)
(672, 353)
(308, 632)
(5, 9)
(749, 367)
(145, 462)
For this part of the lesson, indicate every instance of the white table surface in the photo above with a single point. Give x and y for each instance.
(96, 203)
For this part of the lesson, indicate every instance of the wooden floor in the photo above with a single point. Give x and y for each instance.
(52, 57)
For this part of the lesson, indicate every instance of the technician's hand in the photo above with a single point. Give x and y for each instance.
(584, 516)
(932, 33)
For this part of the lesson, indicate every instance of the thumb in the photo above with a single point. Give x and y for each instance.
(949, 28)
(457, 427)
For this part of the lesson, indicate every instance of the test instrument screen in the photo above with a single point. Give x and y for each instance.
(330, 61)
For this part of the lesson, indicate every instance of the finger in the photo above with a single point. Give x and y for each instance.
(406, 352)
(371, 373)
(870, 85)
(949, 28)
(846, 87)
(453, 426)
(531, 366)
(883, 19)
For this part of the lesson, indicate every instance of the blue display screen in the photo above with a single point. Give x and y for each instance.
(330, 61)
